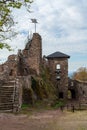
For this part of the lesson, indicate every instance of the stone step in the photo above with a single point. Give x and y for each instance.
(7, 86)
(11, 83)
(7, 96)
(3, 100)
(6, 102)
(6, 90)
(6, 106)
(6, 109)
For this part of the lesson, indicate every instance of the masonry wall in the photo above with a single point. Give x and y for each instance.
(33, 53)
(61, 84)
(9, 68)
(81, 91)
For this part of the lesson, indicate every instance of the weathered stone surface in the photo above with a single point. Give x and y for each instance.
(27, 63)
(62, 83)
(80, 90)
(33, 53)
(20, 67)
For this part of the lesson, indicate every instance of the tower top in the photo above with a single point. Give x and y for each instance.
(57, 55)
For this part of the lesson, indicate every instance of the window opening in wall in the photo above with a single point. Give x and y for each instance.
(58, 77)
(72, 84)
(83, 92)
(61, 95)
(58, 66)
(11, 72)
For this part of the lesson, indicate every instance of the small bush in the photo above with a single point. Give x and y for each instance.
(25, 105)
(59, 104)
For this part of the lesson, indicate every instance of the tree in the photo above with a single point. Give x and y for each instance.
(81, 74)
(6, 19)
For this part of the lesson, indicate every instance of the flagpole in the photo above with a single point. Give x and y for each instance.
(35, 22)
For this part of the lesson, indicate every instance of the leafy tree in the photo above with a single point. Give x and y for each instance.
(6, 19)
(81, 74)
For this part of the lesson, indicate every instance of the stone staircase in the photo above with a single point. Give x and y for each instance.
(7, 96)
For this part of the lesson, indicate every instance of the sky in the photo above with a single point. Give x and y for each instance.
(62, 25)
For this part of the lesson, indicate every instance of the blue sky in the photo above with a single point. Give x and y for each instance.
(62, 25)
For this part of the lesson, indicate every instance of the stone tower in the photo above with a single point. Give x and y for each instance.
(58, 65)
(33, 53)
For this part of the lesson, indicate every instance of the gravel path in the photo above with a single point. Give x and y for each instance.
(36, 121)
(45, 120)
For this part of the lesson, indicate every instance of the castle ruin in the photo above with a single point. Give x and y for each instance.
(17, 72)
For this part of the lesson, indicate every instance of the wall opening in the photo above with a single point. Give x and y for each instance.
(71, 94)
(58, 66)
(61, 95)
(83, 92)
(11, 72)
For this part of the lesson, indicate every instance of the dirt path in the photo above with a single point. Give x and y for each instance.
(36, 121)
(45, 120)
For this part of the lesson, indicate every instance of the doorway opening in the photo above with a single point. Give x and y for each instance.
(11, 72)
(61, 95)
(71, 94)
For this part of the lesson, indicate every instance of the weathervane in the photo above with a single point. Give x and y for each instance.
(35, 22)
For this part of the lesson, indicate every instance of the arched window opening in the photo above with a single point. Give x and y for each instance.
(71, 94)
(58, 66)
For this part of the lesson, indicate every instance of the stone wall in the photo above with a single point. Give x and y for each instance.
(9, 67)
(33, 53)
(82, 91)
(21, 66)
(78, 90)
(61, 84)
(27, 61)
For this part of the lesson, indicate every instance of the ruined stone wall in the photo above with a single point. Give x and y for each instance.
(30, 60)
(33, 53)
(82, 91)
(8, 69)
(1, 68)
(12, 65)
(61, 84)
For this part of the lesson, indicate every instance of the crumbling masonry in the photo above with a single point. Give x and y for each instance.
(17, 72)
